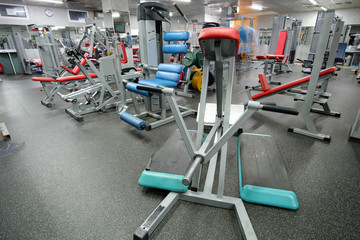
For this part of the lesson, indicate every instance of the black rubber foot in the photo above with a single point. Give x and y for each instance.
(327, 139)
(46, 104)
(290, 130)
(140, 233)
(239, 131)
(337, 115)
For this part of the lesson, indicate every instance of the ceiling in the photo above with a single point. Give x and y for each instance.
(196, 7)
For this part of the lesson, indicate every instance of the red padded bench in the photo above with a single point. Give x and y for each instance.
(63, 79)
(278, 56)
(268, 91)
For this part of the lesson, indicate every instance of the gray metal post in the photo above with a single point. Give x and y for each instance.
(335, 43)
(319, 55)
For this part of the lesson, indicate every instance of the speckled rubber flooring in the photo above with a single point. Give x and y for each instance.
(71, 180)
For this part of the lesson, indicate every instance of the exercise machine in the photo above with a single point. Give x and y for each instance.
(282, 46)
(151, 29)
(219, 45)
(105, 93)
(94, 37)
(167, 75)
(313, 95)
(332, 42)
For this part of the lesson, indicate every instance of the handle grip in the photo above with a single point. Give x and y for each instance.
(181, 12)
(190, 172)
(286, 110)
(158, 13)
(149, 89)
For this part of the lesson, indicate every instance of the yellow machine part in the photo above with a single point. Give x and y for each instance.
(197, 80)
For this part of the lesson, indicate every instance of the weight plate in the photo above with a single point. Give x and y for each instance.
(199, 60)
(196, 81)
(189, 59)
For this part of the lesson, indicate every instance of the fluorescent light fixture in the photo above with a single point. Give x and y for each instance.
(52, 1)
(59, 27)
(256, 6)
(182, 0)
(323, 8)
(313, 2)
(115, 14)
(170, 14)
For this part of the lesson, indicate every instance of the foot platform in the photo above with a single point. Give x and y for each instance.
(263, 177)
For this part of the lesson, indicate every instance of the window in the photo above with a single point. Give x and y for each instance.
(77, 16)
(13, 11)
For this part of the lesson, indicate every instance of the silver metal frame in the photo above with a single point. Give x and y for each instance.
(109, 73)
(202, 152)
(311, 130)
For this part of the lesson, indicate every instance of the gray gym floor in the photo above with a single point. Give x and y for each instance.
(71, 180)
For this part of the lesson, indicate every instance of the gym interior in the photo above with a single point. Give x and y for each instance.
(179, 119)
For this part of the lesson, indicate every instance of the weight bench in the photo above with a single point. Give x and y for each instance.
(267, 91)
(313, 95)
(51, 86)
(278, 58)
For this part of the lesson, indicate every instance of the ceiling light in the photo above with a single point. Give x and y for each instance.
(313, 2)
(52, 1)
(115, 14)
(323, 8)
(220, 9)
(256, 6)
(170, 14)
(57, 28)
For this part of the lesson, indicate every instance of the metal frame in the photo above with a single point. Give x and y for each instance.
(95, 36)
(311, 130)
(110, 69)
(202, 152)
(355, 129)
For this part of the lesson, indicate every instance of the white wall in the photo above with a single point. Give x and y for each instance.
(37, 16)
(349, 16)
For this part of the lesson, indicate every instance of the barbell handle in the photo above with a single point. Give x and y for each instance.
(190, 172)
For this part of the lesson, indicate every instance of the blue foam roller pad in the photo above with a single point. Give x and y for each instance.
(132, 120)
(132, 88)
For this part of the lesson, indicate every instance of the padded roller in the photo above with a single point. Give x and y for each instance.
(132, 88)
(134, 121)
(169, 76)
(166, 67)
(175, 48)
(176, 36)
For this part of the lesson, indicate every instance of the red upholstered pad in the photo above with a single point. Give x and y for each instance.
(281, 43)
(264, 84)
(261, 57)
(37, 61)
(221, 33)
(76, 69)
(291, 84)
(273, 56)
(43, 79)
(74, 78)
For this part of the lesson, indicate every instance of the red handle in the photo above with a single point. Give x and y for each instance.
(125, 60)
